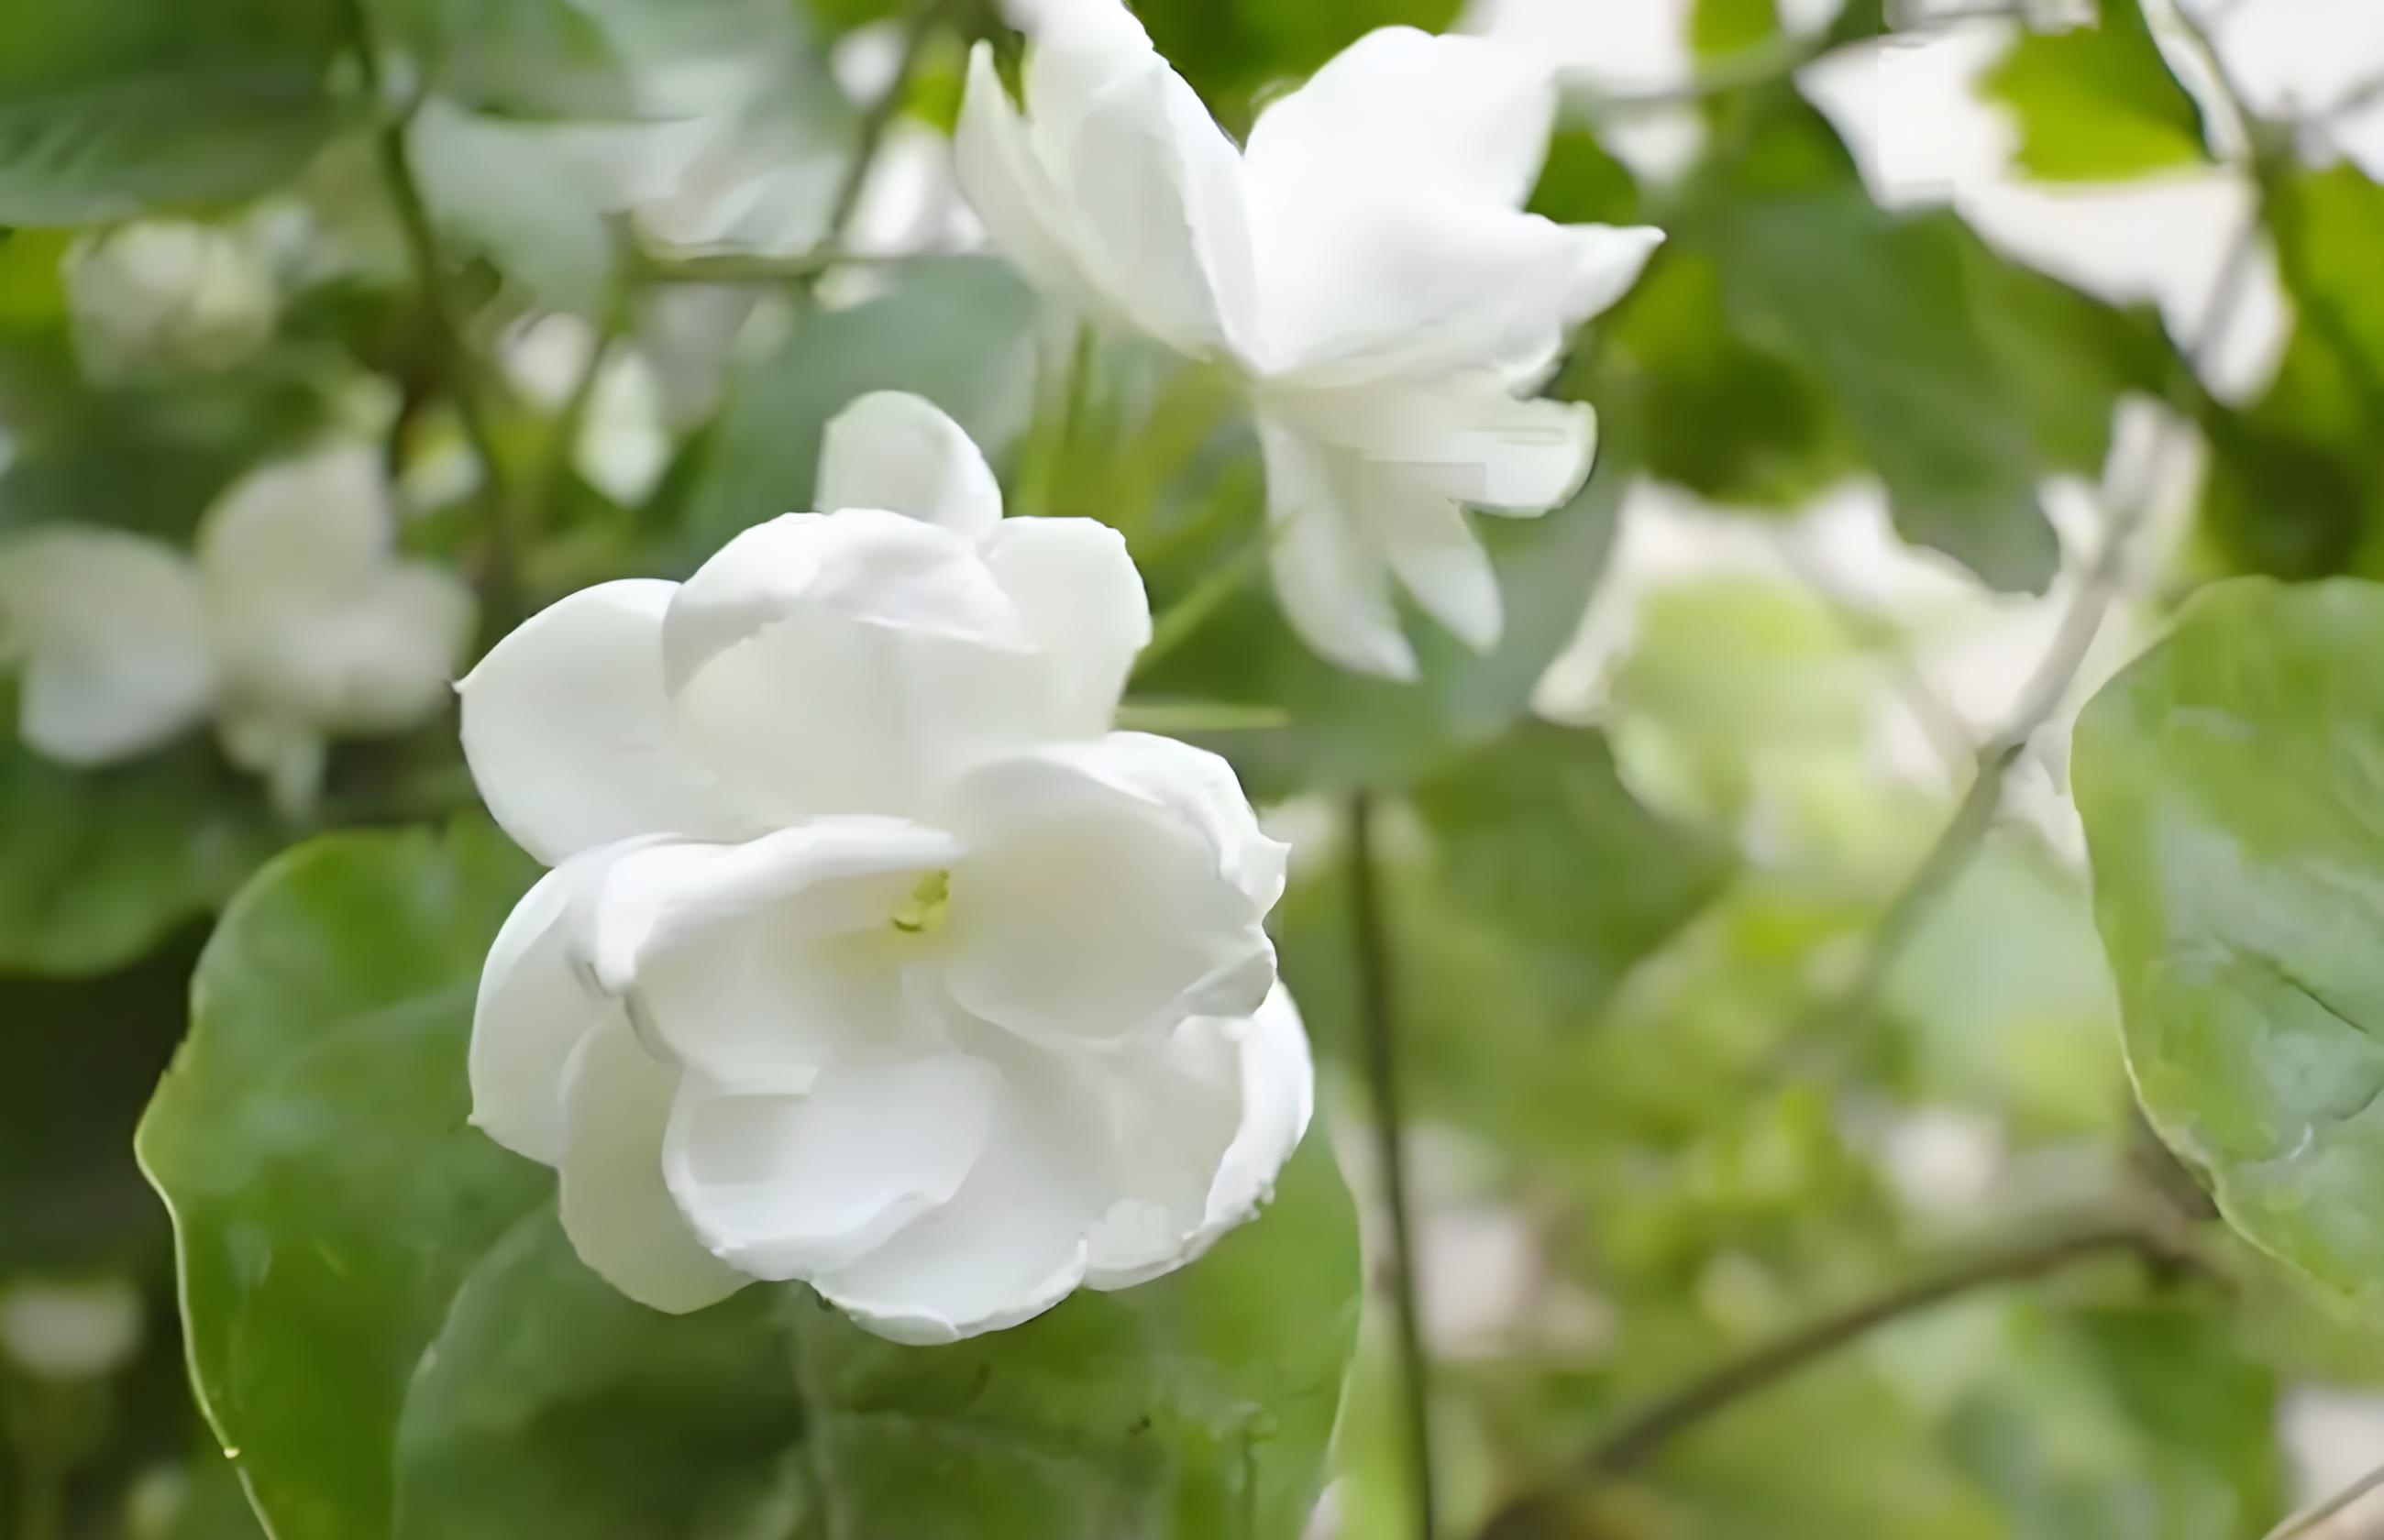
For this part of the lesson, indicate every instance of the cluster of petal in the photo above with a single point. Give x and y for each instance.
(1364, 263)
(870, 956)
(162, 296)
(294, 623)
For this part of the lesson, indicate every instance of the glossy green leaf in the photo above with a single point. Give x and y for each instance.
(387, 1329)
(97, 865)
(2097, 103)
(2228, 783)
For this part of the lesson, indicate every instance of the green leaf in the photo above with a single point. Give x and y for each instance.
(97, 865)
(1723, 29)
(386, 1326)
(112, 106)
(1880, 308)
(2228, 781)
(954, 331)
(2097, 103)
(1231, 50)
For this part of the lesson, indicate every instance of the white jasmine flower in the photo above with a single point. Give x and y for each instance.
(85, 1329)
(1364, 264)
(161, 296)
(871, 956)
(295, 622)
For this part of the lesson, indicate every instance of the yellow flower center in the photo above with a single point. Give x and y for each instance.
(924, 911)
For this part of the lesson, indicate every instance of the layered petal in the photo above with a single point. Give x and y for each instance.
(615, 1207)
(1108, 889)
(791, 1186)
(898, 452)
(1117, 190)
(1203, 1120)
(109, 637)
(1082, 600)
(1367, 284)
(1461, 112)
(568, 732)
(1331, 575)
(1435, 554)
(1466, 439)
(852, 664)
(1012, 1240)
(823, 877)
(536, 1004)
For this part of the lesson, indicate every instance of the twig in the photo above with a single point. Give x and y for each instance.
(1638, 1437)
(1379, 1027)
(502, 578)
(2047, 688)
(571, 422)
(879, 116)
(760, 267)
(2305, 1523)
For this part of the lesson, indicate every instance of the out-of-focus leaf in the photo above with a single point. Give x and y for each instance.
(111, 107)
(387, 1328)
(2229, 782)
(1720, 28)
(2097, 103)
(954, 331)
(1881, 308)
(96, 866)
(1537, 832)
(1231, 50)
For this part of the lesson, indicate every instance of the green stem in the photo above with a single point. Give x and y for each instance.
(1177, 624)
(502, 576)
(1378, 1027)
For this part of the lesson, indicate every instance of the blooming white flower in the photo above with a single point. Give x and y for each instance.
(295, 622)
(870, 956)
(164, 295)
(1364, 264)
(83, 1329)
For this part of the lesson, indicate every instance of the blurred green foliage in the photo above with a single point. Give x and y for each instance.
(1664, 1114)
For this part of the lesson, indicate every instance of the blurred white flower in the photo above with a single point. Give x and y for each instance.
(162, 296)
(871, 956)
(294, 624)
(84, 1329)
(1364, 266)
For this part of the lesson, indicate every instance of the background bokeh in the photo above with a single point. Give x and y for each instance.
(1971, 319)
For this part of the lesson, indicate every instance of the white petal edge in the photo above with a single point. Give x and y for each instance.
(567, 730)
(898, 452)
(791, 1186)
(1331, 576)
(1277, 1093)
(996, 164)
(615, 1208)
(1467, 438)
(1081, 597)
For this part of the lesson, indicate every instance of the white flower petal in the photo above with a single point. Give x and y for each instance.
(1435, 553)
(1204, 1122)
(615, 1207)
(1466, 437)
(818, 878)
(111, 639)
(1078, 592)
(751, 1011)
(568, 732)
(852, 663)
(791, 1186)
(1158, 185)
(303, 527)
(1331, 575)
(1014, 195)
(1107, 891)
(1010, 1242)
(535, 1005)
(1363, 285)
(1463, 113)
(898, 452)
(374, 655)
